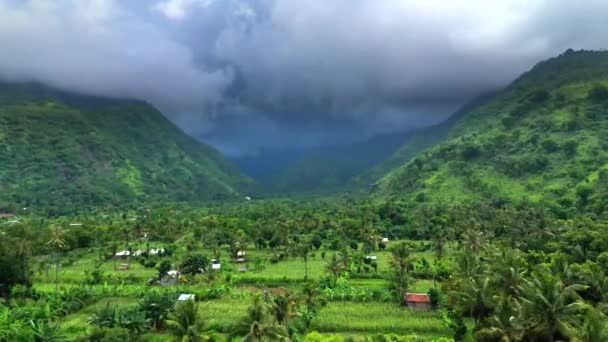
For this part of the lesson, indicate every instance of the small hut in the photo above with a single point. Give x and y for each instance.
(418, 301)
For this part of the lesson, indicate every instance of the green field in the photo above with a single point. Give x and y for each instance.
(351, 319)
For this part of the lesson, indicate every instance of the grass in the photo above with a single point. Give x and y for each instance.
(344, 318)
(370, 318)
(77, 323)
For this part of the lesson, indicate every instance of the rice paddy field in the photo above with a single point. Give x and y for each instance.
(352, 318)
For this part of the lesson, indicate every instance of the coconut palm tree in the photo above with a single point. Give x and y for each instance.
(509, 272)
(259, 325)
(594, 327)
(266, 332)
(186, 322)
(401, 262)
(474, 297)
(550, 309)
(57, 243)
(281, 308)
(23, 244)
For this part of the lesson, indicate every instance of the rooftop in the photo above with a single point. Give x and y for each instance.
(417, 298)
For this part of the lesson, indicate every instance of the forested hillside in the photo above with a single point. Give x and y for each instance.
(61, 152)
(541, 140)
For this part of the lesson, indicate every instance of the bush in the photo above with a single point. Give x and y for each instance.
(156, 307)
(107, 335)
(550, 145)
(598, 93)
(471, 152)
(194, 264)
(112, 317)
(570, 147)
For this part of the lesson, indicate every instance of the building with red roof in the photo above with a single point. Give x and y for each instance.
(418, 301)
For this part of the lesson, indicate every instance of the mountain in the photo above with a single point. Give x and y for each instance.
(416, 141)
(62, 151)
(541, 140)
(320, 170)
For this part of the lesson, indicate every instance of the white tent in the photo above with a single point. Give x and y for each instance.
(216, 266)
(123, 253)
(185, 296)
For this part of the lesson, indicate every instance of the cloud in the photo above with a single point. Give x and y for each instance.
(99, 47)
(245, 74)
(179, 9)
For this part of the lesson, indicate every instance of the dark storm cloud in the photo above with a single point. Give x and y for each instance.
(249, 73)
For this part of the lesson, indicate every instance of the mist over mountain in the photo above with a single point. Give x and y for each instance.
(248, 75)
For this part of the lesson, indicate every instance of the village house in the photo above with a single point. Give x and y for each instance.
(418, 301)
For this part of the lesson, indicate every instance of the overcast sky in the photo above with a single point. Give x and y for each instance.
(245, 74)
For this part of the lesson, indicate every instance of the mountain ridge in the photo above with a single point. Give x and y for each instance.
(63, 149)
(540, 140)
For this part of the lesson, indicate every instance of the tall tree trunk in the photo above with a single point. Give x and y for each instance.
(56, 272)
(305, 267)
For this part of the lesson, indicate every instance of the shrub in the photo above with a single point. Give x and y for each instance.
(570, 147)
(550, 145)
(163, 268)
(112, 317)
(156, 307)
(470, 152)
(598, 93)
(107, 335)
(194, 264)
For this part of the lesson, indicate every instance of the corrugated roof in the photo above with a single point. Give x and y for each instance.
(417, 298)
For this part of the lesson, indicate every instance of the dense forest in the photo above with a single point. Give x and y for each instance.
(540, 140)
(62, 152)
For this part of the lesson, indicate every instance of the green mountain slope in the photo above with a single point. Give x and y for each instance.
(541, 140)
(417, 141)
(61, 151)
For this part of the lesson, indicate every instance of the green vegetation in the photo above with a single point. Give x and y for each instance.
(62, 152)
(541, 140)
(306, 274)
(502, 226)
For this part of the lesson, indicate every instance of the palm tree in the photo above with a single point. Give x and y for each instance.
(504, 324)
(281, 308)
(474, 296)
(550, 309)
(594, 327)
(509, 272)
(57, 244)
(259, 325)
(186, 322)
(266, 332)
(24, 247)
(401, 261)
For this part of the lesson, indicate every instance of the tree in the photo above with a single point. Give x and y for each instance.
(281, 308)
(259, 325)
(194, 264)
(156, 307)
(186, 322)
(400, 279)
(303, 250)
(550, 308)
(57, 244)
(594, 327)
